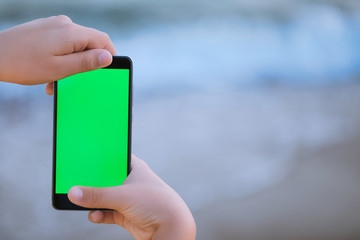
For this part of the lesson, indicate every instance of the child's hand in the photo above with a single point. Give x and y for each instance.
(49, 49)
(144, 205)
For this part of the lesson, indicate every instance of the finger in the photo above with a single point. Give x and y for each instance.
(96, 216)
(119, 218)
(92, 197)
(140, 167)
(62, 18)
(106, 217)
(93, 39)
(137, 162)
(89, 60)
(49, 89)
(141, 172)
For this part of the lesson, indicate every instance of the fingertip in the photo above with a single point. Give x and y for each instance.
(84, 61)
(75, 194)
(105, 58)
(49, 89)
(96, 216)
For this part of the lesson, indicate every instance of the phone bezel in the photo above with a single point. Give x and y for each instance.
(61, 201)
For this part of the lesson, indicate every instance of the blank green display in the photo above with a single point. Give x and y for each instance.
(92, 129)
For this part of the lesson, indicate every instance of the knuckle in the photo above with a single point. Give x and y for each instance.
(142, 162)
(106, 36)
(63, 18)
(68, 28)
(55, 70)
(95, 196)
(63, 23)
(87, 63)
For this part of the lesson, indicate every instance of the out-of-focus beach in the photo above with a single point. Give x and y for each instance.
(276, 163)
(248, 110)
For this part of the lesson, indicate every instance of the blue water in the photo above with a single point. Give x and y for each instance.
(315, 45)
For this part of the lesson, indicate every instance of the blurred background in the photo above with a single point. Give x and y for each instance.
(248, 108)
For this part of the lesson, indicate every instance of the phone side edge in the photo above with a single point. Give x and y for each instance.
(131, 86)
(53, 199)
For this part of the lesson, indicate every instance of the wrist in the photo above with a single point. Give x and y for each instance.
(180, 227)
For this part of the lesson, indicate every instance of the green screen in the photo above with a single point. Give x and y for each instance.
(92, 129)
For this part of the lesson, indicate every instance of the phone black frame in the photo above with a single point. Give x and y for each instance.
(61, 201)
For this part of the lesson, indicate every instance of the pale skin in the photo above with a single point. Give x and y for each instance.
(144, 205)
(49, 49)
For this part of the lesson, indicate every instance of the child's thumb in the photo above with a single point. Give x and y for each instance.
(92, 197)
(84, 61)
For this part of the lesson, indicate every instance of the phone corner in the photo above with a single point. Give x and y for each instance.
(55, 205)
(129, 59)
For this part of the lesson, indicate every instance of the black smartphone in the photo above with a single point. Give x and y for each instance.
(92, 130)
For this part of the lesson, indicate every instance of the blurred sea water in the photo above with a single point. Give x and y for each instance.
(310, 44)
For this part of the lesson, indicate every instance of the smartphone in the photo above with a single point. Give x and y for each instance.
(92, 130)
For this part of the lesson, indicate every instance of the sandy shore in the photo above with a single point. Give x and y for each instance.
(318, 200)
